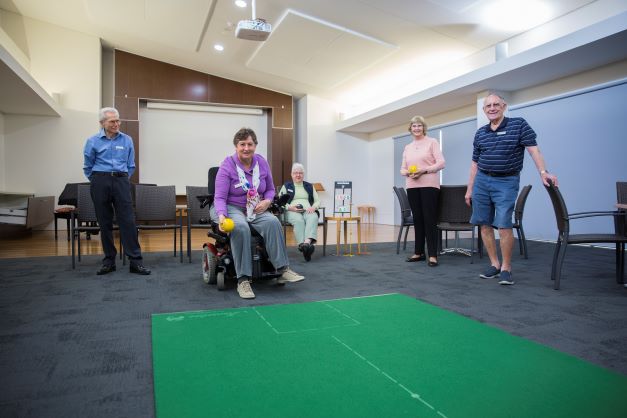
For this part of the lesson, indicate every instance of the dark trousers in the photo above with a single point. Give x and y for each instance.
(109, 193)
(424, 208)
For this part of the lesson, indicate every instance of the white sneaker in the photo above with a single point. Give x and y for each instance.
(244, 290)
(290, 276)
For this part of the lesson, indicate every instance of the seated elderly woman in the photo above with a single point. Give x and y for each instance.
(243, 192)
(302, 210)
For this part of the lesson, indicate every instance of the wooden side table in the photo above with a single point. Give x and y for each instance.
(63, 212)
(366, 212)
(345, 219)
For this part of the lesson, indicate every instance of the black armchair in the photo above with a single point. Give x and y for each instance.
(407, 219)
(321, 216)
(454, 215)
(155, 208)
(519, 211)
(563, 218)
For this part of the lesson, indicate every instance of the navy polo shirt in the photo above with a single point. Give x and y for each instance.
(503, 151)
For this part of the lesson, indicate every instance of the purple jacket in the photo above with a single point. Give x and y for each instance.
(227, 179)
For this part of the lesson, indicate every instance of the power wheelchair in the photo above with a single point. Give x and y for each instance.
(217, 259)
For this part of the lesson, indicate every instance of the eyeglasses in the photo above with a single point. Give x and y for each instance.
(493, 105)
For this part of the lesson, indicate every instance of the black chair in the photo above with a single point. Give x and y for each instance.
(321, 222)
(454, 215)
(66, 198)
(518, 218)
(155, 208)
(565, 238)
(621, 192)
(197, 217)
(407, 219)
(621, 198)
(134, 192)
(83, 219)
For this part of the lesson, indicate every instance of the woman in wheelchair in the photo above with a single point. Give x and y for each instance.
(244, 190)
(302, 210)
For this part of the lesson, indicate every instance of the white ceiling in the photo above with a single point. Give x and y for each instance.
(328, 48)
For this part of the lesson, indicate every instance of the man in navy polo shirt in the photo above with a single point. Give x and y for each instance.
(109, 161)
(497, 159)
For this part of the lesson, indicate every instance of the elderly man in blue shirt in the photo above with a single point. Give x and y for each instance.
(497, 159)
(109, 162)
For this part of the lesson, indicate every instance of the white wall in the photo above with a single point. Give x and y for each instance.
(12, 38)
(381, 170)
(330, 155)
(179, 146)
(41, 154)
(300, 130)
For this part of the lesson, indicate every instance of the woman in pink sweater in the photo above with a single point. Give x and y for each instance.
(422, 162)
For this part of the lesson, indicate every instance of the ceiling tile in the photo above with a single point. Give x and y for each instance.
(316, 52)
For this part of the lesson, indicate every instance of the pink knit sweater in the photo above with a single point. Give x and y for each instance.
(425, 154)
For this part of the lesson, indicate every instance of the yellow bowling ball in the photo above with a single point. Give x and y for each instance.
(227, 225)
(413, 168)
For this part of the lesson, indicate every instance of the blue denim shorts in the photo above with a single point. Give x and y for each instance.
(493, 200)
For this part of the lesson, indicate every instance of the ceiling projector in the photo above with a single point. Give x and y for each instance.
(253, 30)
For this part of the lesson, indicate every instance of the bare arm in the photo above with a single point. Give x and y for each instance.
(471, 181)
(538, 159)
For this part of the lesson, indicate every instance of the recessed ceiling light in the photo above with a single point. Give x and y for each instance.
(218, 47)
(240, 3)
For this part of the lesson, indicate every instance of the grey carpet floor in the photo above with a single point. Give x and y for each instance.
(73, 344)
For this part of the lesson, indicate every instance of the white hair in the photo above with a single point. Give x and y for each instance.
(103, 113)
(298, 167)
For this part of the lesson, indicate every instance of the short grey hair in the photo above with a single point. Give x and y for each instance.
(103, 113)
(298, 167)
(495, 94)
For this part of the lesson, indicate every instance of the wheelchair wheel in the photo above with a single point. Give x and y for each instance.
(220, 278)
(209, 266)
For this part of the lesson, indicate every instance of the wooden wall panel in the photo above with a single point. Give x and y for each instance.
(120, 74)
(128, 107)
(283, 115)
(138, 78)
(147, 78)
(281, 155)
(221, 90)
(177, 83)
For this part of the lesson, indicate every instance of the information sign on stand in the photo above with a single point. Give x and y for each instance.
(343, 198)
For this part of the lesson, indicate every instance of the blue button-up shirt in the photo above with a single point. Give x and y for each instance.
(104, 154)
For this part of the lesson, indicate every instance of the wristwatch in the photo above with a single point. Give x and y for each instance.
(544, 172)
